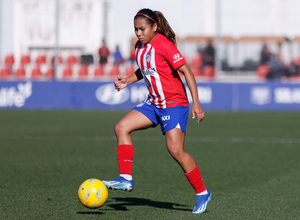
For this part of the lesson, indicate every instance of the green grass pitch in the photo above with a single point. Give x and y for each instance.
(250, 161)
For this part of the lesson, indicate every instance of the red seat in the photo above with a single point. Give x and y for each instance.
(36, 73)
(67, 72)
(20, 73)
(25, 59)
(297, 60)
(9, 60)
(50, 72)
(41, 59)
(115, 71)
(262, 70)
(72, 59)
(209, 71)
(99, 71)
(196, 64)
(83, 71)
(129, 70)
(5, 72)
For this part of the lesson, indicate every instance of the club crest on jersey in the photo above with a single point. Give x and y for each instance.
(148, 57)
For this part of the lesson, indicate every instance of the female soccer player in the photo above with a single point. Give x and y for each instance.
(159, 62)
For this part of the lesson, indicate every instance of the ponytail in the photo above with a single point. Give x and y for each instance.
(164, 28)
(157, 17)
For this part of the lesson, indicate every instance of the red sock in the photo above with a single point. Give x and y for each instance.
(195, 179)
(125, 156)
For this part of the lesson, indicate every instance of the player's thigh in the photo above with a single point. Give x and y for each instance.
(133, 120)
(175, 141)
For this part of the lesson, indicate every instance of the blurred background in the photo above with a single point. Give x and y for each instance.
(226, 41)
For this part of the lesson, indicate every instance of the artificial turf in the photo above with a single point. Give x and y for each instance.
(249, 161)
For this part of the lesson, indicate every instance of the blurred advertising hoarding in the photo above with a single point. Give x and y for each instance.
(213, 96)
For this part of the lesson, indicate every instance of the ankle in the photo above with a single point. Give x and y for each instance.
(126, 176)
(205, 192)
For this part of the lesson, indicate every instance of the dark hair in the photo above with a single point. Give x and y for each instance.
(163, 26)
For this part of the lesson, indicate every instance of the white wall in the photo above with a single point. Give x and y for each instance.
(7, 27)
(22, 26)
(35, 26)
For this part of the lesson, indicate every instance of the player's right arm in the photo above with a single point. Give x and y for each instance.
(122, 82)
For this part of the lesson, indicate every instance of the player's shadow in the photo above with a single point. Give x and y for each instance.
(123, 203)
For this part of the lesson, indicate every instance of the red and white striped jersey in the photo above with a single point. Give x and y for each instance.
(158, 62)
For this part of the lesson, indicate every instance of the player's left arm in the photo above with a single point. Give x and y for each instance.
(191, 82)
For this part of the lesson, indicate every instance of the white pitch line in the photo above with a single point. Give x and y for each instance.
(154, 138)
(55, 138)
(246, 140)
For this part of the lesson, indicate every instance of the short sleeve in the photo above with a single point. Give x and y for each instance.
(173, 56)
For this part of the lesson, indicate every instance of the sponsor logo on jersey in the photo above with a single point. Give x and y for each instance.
(177, 57)
(149, 72)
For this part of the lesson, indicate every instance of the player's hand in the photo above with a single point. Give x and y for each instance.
(120, 83)
(197, 110)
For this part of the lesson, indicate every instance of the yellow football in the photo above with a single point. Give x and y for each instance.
(92, 193)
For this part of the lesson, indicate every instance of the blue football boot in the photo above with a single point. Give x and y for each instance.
(119, 184)
(201, 203)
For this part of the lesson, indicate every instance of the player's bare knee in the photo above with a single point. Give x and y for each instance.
(118, 128)
(176, 153)
(121, 128)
